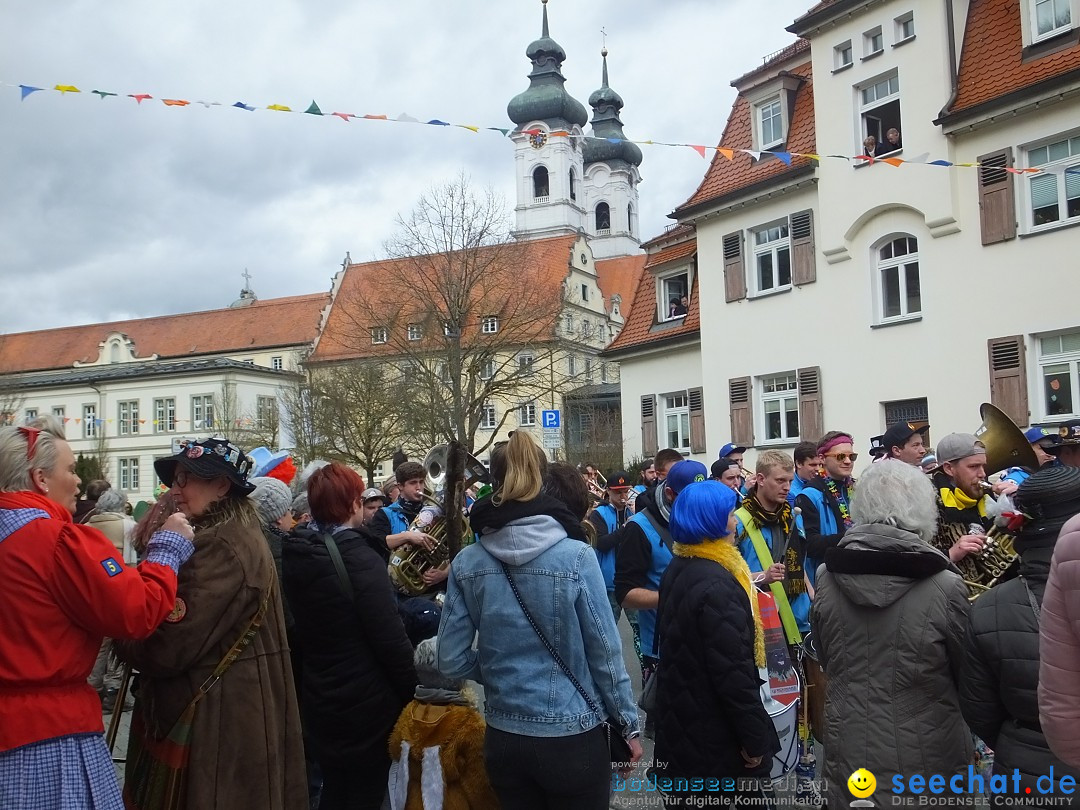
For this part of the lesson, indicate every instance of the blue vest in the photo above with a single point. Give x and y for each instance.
(607, 558)
(826, 524)
(661, 557)
(800, 605)
(398, 521)
(798, 486)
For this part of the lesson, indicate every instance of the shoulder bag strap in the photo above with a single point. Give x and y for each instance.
(339, 565)
(1031, 599)
(662, 530)
(554, 654)
(241, 644)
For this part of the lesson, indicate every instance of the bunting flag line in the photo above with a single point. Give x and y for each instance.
(786, 157)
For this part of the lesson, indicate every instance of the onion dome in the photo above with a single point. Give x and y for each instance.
(546, 99)
(606, 104)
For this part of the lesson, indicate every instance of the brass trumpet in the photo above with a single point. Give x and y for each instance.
(596, 486)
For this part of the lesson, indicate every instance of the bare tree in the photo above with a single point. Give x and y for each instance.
(257, 426)
(11, 398)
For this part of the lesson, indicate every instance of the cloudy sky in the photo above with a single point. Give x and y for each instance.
(111, 209)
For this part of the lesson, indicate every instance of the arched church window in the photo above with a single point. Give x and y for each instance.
(540, 182)
(573, 187)
(630, 219)
(603, 217)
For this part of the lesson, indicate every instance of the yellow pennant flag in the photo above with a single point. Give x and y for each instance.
(279, 107)
(67, 88)
(470, 128)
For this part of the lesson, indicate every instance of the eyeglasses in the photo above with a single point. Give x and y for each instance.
(842, 457)
(183, 477)
(31, 434)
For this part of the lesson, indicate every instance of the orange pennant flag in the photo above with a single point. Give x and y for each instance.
(174, 102)
(344, 116)
(699, 149)
(892, 161)
(376, 117)
(559, 133)
(728, 153)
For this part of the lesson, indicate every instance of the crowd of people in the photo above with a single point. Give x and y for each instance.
(282, 659)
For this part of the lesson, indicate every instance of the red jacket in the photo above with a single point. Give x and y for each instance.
(63, 587)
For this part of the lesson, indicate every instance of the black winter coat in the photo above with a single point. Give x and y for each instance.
(358, 662)
(708, 704)
(999, 687)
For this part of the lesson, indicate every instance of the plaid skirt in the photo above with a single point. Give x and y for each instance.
(71, 771)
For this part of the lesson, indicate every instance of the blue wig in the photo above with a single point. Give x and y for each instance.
(701, 512)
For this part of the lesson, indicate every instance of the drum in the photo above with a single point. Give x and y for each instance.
(785, 718)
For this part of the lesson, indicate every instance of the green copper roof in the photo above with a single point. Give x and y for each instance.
(606, 104)
(546, 99)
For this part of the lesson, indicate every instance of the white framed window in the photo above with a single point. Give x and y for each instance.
(450, 330)
(29, 414)
(487, 417)
(898, 285)
(127, 417)
(673, 289)
(779, 407)
(568, 324)
(843, 56)
(90, 421)
(571, 365)
(266, 413)
(277, 363)
(527, 414)
(414, 331)
(1059, 375)
(128, 469)
(490, 324)
(1054, 195)
(772, 257)
(873, 42)
(677, 420)
(526, 365)
(905, 27)
(165, 415)
(586, 328)
(879, 108)
(1050, 18)
(770, 123)
(58, 412)
(487, 369)
(378, 334)
(588, 369)
(202, 411)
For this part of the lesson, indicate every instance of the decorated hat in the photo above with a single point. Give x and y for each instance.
(1068, 434)
(263, 460)
(211, 458)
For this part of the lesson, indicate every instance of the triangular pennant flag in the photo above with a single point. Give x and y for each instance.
(469, 127)
(67, 88)
(784, 156)
(893, 161)
(174, 102)
(530, 131)
(436, 122)
(102, 93)
(139, 97)
(244, 106)
(558, 133)
(1059, 170)
(940, 163)
(26, 90)
(407, 119)
(753, 154)
(812, 157)
(728, 153)
(967, 165)
(279, 108)
(864, 157)
(699, 149)
(499, 129)
(620, 140)
(344, 116)
(209, 104)
(376, 117)
(313, 109)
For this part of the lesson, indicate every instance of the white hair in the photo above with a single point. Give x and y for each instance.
(16, 469)
(896, 494)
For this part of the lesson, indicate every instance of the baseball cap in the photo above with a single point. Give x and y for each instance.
(619, 480)
(370, 494)
(730, 448)
(956, 446)
(685, 473)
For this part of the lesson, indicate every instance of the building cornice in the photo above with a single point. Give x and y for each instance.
(778, 185)
(654, 345)
(1049, 91)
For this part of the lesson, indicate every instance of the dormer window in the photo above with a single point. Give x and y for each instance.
(1050, 18)
(770, 121)
(490, 324)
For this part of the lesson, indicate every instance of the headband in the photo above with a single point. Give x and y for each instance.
(843, 438)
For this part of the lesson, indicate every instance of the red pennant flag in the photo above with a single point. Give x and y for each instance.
(139, 97)
(344, 116)
(699, 149)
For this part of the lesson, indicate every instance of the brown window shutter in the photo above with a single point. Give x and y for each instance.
(803, 257)
(997, 200)
(648, 425)
(810, 422)
(742, 415)
(734, 270)
(697, 420)
(1008, 377)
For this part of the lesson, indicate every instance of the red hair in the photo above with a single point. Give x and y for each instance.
(333, 493)
(284, 472)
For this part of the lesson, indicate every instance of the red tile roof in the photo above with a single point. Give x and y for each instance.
(725, 177)
(620, 277)
(515, 281)
(262, 325)
(638, 330)
(992, 64)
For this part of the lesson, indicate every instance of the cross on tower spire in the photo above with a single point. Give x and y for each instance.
(247, 279)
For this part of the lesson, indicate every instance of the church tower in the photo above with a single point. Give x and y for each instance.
(611, 177)
(549, 166)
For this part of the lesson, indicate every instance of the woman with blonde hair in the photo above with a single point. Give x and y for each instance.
(63, 587)
(548, 652)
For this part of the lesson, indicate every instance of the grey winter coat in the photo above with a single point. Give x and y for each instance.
(890, 615)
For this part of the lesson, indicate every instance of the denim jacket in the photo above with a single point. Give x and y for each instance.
(559, 579)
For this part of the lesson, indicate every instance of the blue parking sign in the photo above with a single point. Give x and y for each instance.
(550, 419)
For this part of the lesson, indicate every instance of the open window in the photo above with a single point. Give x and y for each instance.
(674, 291)
(879, 112)
(541, 186)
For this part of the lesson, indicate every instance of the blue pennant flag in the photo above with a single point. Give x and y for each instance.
(244, 106)
(26, 90)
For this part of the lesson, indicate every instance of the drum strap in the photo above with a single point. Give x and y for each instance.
(761, 548)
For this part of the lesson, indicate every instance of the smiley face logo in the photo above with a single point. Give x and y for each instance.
(861, 783)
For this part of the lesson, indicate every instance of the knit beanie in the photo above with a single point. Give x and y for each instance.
(272, 499)
(1049, 498)
(427, 671)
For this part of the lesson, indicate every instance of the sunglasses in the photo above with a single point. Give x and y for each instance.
(842, 457)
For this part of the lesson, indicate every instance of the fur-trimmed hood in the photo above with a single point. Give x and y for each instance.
(876, 564)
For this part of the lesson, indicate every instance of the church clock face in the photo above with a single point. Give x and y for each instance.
(538, 139)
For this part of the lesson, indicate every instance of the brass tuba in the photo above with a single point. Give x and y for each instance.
(409, 563)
